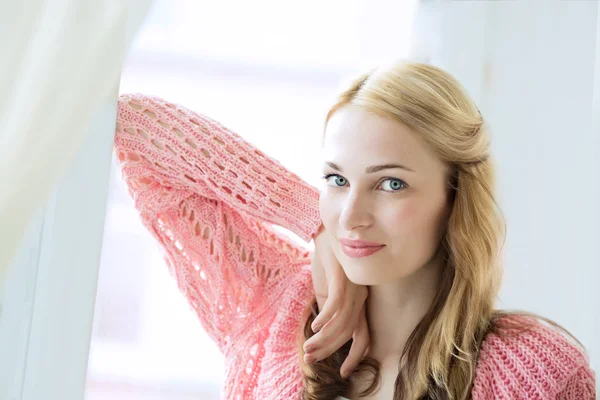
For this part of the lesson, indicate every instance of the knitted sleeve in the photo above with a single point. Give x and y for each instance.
(210, 199)
(580, 386)
(540, 362)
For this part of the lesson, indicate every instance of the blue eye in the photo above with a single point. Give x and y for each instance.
(335, 180)
(393, 185)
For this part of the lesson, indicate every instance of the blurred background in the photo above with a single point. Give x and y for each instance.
(269, 69)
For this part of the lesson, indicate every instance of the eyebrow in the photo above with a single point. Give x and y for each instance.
(373, 168)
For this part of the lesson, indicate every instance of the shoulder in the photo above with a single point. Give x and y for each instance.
(526, 357)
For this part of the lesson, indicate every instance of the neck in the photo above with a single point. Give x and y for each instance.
(394, 309)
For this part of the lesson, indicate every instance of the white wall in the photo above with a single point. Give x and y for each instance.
(532, 66)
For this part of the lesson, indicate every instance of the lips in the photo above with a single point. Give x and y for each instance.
(360, 248)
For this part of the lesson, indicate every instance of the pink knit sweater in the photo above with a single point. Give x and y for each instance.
(210, 199)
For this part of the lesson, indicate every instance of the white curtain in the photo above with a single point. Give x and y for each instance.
(60, 59)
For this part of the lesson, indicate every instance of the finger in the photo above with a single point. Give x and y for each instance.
(341, 320)
(330, 340)
(344, 318)
(359, 347)
(330, 307)
(351, 305)
(321, 299)
(332, 345)
(329, 332)
(349, 312)
(334, 269)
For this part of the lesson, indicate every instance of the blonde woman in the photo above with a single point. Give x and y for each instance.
(406, 268)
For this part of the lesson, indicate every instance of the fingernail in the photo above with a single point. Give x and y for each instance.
(309, 359)
(316, 328)
(309, 348)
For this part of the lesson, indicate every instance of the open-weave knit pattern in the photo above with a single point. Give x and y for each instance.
(210, 199)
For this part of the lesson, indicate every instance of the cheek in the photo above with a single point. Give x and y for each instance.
(411, 222)
(328, 210)
(397, 220)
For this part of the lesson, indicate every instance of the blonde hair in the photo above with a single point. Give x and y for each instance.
(440, 356)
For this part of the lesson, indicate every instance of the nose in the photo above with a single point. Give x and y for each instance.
(355, 213)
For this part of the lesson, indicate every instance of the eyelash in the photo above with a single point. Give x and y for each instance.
(387, 178)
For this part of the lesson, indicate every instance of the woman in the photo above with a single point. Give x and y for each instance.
(407, 213)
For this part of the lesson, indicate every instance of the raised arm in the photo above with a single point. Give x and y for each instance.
(209, 197)
(190, 151)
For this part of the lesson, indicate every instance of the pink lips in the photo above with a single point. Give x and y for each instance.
(359, 248)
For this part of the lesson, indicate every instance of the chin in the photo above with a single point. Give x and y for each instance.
(360, 275)
(366, 281)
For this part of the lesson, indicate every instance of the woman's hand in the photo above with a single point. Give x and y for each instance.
(341, 310)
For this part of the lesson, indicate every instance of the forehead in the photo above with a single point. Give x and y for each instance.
(355, 137)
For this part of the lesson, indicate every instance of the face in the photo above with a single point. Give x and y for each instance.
(384, 202)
